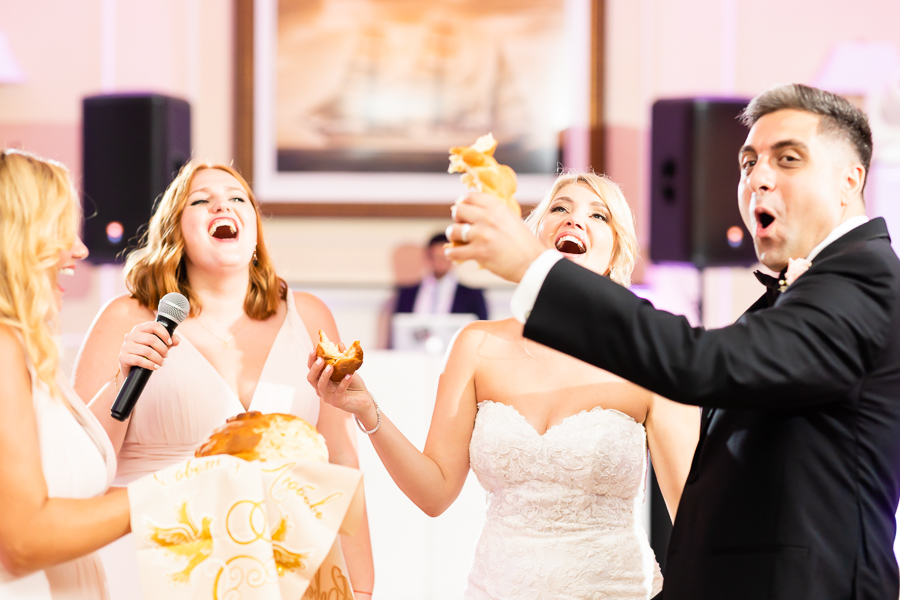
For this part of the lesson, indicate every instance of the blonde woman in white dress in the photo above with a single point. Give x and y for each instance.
(560, 446)
(57, 462)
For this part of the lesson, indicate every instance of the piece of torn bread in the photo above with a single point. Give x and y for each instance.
(344, 363)
(482, 172)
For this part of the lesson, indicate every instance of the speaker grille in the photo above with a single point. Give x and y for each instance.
(133, 145)
(694, 215)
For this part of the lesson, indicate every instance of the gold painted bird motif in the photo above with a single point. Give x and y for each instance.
(285, 560)
(184, 541)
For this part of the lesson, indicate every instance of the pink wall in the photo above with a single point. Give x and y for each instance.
(59, 141)
(68, 50)
(663, 48)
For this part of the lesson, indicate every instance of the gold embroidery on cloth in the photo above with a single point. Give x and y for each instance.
(261, 533)
(284, 484)
(285, 560)
(235, 576)
(184, 541)
(253, 514)
(339, 591)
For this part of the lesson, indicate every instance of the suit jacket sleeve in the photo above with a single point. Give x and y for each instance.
(479, 305)
(813, 346)
(469, 300)
(406, 299)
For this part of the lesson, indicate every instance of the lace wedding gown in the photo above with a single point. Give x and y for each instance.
(563, 516)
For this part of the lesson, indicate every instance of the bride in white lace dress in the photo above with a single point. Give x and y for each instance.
(560, 446)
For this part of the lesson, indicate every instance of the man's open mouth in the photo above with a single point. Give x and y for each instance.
(223, 229)
(764, 220)
(569, 244)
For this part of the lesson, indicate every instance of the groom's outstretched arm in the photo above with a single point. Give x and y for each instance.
(813, 347)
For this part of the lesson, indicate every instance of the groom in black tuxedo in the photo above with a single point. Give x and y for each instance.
(796, 477)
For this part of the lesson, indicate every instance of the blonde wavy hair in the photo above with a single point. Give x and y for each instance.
(39, 218)
(157, 267)
(625, 246)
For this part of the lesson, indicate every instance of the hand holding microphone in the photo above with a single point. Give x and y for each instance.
(144, 350)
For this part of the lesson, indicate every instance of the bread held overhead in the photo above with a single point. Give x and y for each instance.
(482, 172)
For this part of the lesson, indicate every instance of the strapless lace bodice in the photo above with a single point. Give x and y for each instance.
(563, 517)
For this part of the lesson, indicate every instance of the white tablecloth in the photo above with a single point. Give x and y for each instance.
(416, 557)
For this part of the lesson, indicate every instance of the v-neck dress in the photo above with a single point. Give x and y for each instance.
(183, 403)
(187, 399)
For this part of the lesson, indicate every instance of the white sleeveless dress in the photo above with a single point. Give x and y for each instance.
(78, 461)
(563, 518)
(184, 402)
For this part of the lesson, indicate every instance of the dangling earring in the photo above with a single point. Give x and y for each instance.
(255, 260)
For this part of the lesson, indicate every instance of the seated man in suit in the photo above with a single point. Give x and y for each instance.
(440, 292)
(796, 476)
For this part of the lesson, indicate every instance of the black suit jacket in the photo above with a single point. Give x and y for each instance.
(465, 300)
(794, 485)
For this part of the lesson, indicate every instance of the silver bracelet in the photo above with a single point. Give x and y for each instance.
(377, 424)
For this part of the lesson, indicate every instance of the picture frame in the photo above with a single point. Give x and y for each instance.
(388, 194)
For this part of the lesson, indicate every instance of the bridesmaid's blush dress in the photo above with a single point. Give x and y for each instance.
(181, 406)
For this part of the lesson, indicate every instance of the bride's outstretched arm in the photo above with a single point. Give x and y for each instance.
(672, 433)
(431, 479)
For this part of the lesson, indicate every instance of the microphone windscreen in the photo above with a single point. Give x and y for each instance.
(174, 306)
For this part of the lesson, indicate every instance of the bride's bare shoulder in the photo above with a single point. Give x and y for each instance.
(505, 329)
(475, 334)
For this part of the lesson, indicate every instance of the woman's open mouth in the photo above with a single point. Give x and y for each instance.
(68, 271)
(569, 244)
(223, 229)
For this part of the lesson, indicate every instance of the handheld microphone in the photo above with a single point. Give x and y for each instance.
(172, 310)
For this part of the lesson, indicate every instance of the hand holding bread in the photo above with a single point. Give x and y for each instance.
(344, 363)
(482, 172)
(328, 370)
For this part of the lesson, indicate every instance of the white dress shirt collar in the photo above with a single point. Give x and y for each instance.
(436, 295)
(527, 291)
(842, 228)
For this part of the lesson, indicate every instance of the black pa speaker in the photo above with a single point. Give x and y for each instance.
(134, 145)
(694, 214)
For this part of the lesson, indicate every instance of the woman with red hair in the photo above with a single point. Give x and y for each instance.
(242, 348)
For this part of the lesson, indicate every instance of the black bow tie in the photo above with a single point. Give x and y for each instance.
(774, 285)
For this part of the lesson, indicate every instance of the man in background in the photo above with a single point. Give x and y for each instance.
(440, 292)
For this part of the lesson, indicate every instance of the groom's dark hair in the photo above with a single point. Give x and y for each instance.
(839, 116)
